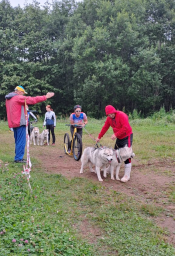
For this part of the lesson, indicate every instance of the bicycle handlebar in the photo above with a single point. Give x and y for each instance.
(75, 125)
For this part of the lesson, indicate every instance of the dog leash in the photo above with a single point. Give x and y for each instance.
(97, 143)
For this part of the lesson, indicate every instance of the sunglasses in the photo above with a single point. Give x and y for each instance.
(78, 111)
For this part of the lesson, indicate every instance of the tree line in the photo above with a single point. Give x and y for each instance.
(92, 53)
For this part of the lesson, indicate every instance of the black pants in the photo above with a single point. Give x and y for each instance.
(79, 130)
(50, 127)
(122, 143)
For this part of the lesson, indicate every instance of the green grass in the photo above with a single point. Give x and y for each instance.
(49, 220)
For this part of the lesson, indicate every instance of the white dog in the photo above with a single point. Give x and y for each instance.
(96, 156)
(34, 137)
(120, 155)
(44, 136)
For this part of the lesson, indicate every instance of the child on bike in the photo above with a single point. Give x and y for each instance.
(78, 118)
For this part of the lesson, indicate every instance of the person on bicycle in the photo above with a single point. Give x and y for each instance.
(50, 122)
(78, 118)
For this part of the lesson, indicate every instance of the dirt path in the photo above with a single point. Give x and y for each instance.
(149, 184)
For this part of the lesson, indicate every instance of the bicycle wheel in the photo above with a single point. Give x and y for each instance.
(77, 146)
(67, 144)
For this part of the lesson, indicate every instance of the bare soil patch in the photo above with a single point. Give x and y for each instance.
(149, 183)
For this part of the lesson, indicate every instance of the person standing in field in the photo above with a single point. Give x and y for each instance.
(50, 122)
(78, 118)
(123, 134)
(15, 107)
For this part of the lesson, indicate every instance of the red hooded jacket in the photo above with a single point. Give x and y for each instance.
(120, 124)
(15, 107)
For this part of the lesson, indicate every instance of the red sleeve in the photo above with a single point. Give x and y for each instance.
(123, 119)
(104, 128)
(31, 100)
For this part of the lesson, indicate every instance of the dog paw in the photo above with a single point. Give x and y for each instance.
(117, 178)
(100, 179)
(125, 179)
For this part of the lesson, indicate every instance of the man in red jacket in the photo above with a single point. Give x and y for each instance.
(118, 120)
(15, 107)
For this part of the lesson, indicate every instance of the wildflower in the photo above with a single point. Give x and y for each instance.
(21, 239)
(26, 241)
(20, 245)
(1, 233)
(0, 199)
(13, 240)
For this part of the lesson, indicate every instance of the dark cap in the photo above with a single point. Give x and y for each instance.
(77, 106)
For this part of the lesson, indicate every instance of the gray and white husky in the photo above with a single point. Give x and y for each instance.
(34, 137)
(44, 136)
(99, 157)
(120, 155)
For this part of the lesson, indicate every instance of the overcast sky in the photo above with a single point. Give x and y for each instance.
(22, 3)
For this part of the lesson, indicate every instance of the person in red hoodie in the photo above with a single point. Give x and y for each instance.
(15, 107)
(119, 122)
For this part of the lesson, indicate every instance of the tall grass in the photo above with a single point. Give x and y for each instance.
(158, 118)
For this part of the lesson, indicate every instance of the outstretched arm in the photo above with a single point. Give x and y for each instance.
(34, 100)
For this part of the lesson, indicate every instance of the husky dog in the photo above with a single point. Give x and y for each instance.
(44, 136)
(34, 136)
(98, 157)
(120, 155)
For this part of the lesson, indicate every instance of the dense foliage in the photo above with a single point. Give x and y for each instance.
(92, 53)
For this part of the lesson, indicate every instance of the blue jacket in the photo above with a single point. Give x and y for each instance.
(50, 118)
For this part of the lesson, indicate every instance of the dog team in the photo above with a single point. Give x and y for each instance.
(39, 138)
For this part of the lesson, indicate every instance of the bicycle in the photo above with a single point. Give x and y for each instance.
(73, 147)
